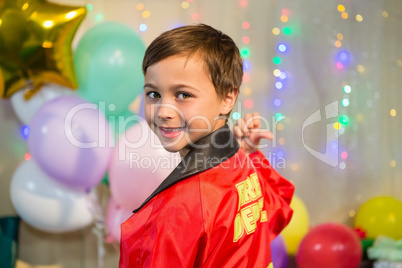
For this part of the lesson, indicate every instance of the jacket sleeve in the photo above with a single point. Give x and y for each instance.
(278, 193)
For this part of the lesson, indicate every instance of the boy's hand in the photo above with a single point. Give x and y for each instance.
(248, 133)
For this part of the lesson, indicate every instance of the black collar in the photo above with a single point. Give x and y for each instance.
(206, 153)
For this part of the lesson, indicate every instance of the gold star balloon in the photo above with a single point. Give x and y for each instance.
(35, 45)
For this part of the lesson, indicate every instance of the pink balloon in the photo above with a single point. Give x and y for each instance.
(115, 216)
(69, 140)
(139, 164)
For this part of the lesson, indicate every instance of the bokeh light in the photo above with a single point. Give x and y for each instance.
(280, 154)
(185, 5)
(343, 57)
(287, 30)
(236, 116)
(392, 112)
(285, 12)
(143, 27)
(276, 60)
(245, 40)
(276, 31)
(341, 8)
(337, 125)
(277, 72)
(27, 156)
(195, 16)
(339, 36)
(140, 6)
(247, 91)
(278, 85)
(279, 117)
(277, 102)
(282, 47)
(246, 78)
(89, 7)
(248, 103)
(99, 17)
(339, 65)
(246, 65)
(347, 89)
(344, 119)
(245, 25)
(334, 145)
(245, 52)
(338, 43)
(243, 3)
(345, 102)
(284, 18)
(294, 167)
(344, 155)
(25, 132)
(359, 18)
(344, 15)
(281, 141)
(146, 14)
(392, 163)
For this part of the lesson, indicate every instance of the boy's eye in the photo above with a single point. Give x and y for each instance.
(184, 95)
(154, 95)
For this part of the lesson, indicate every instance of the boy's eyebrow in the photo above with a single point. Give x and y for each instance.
(150, 85)
(178, 86)
(175, 87)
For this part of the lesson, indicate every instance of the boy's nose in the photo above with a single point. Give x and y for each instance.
(165, 111)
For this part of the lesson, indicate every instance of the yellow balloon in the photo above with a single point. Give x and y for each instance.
(35, 44)
(298, 226)
(380, 216)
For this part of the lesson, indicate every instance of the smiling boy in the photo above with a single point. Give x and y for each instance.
(223, 204)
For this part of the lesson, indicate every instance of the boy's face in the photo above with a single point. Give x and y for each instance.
(181, 104)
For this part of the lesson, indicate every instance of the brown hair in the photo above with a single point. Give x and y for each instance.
(218, 51)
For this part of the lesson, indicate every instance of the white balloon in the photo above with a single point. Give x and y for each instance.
(46, 204)
(25, 109)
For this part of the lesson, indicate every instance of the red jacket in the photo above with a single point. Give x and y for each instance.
(219, 208)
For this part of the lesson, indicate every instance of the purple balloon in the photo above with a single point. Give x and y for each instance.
(280, 258)
(69, 140)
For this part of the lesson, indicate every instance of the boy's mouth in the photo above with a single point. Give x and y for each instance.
(170, 132)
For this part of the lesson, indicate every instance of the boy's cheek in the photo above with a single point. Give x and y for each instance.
(148, 114)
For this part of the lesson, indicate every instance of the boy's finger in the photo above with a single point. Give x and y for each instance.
(237, 132)
(242, 125)
(262, 133)
(249, 120)
(256, 120)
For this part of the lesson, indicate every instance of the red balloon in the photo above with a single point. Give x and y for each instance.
(330, 245)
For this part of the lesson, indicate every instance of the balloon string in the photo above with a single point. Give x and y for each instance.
(99, 227)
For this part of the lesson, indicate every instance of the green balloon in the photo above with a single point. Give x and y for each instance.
(108, 62)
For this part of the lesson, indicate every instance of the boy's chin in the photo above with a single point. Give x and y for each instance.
(177, 149)
(171, 149)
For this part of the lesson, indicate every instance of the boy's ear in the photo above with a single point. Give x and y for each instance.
(229, 101)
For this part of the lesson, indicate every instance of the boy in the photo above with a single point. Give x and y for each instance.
(223, 204)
